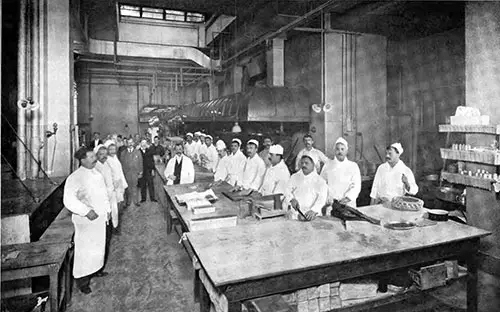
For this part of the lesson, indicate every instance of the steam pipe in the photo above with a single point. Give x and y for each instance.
(21, 76)
(35, 122)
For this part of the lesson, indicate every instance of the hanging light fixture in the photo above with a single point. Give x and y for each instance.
(236, 128)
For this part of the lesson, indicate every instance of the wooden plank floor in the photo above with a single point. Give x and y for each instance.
(150, 271)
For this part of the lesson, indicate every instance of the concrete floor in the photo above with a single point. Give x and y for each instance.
(150, 271)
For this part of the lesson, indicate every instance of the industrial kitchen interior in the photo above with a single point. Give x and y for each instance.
(257, 156)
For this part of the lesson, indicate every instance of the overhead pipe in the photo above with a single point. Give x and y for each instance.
(21, 76)
(291, 25)
(35, 121)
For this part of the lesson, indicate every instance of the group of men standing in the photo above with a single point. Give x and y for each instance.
(316, 182)
(107, 181)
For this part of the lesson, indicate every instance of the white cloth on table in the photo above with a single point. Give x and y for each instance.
(187, 170)
(315, 154)
(253, 173)
(275, 179)
(343, 179)
(236, 166)
(85, 190)
(388, 184)
(118, 177)
(309, 190)
(107, 174)
(222, 169)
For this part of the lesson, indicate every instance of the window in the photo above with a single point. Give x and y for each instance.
(152, 13)
(161, 14)
(128, 10)
(171, 15)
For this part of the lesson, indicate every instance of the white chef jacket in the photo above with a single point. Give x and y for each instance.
(107, 174)
(119, 180)
(222, 169)
(275, 179)
(388, 184)
(343, 179)
(86, 190)
(316, 154)
(253, 172)
(191, 149)
(310, 191)
(187, 170)
(237, 164)
(213, 157)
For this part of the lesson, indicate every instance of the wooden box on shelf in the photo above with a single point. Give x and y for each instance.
(485, 157)
(467, 180)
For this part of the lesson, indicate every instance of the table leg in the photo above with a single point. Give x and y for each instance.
(203, 298)
(471, 261)
(53, 289)
(197, 283)
(68, 281)
(234, 307)
(169, 217)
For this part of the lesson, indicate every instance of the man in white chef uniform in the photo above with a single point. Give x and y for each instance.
(342, 176)
(119, 181)
(180, 169)
(311, 151)
(236, 162)
(277, 175)
(190, 147)
(222, 168)
(86, 196)
(393, 178)
(306, 191)
(211, 154)
(254, 168)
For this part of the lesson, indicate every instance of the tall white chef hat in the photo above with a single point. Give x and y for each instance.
(398, 147)
(236, 140)
(108, 143)
(98, 147)
(276, 149)
(220, 145)
(253, 141)
(342, 141)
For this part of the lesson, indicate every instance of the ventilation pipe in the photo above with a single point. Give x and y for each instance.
(35, 93)
(21, 111)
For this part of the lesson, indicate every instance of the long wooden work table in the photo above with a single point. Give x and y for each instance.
(257, 259)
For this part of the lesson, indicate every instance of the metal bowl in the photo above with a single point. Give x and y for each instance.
(400, 225)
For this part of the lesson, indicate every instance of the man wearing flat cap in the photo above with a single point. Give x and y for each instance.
(277, 175)
(254, 168)
(342, 176)
(306, 191)
(393, 178)
(222, 168)
(236, 162)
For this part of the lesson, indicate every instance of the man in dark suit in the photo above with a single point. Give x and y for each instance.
(146, 182)
(131, 160)
(96, 141)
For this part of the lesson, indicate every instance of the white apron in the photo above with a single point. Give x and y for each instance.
(119, 180)
(84, 190)
(106, 172)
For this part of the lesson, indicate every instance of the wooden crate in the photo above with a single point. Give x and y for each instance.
(430, 276)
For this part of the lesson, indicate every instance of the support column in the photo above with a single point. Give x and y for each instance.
(275, 59)
(35, 114)
(237, 78)
(59, 64)
(21, 91)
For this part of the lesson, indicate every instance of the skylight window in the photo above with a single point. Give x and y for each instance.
(161, 14)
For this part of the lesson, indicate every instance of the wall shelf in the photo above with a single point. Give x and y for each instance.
(489, 129)
(485, 157)
(467, 180)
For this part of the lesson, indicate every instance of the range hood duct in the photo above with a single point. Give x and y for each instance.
(267, 104)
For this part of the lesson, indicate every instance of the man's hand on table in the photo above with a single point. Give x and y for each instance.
(91, 215)
(172, 177)
(344, 201)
